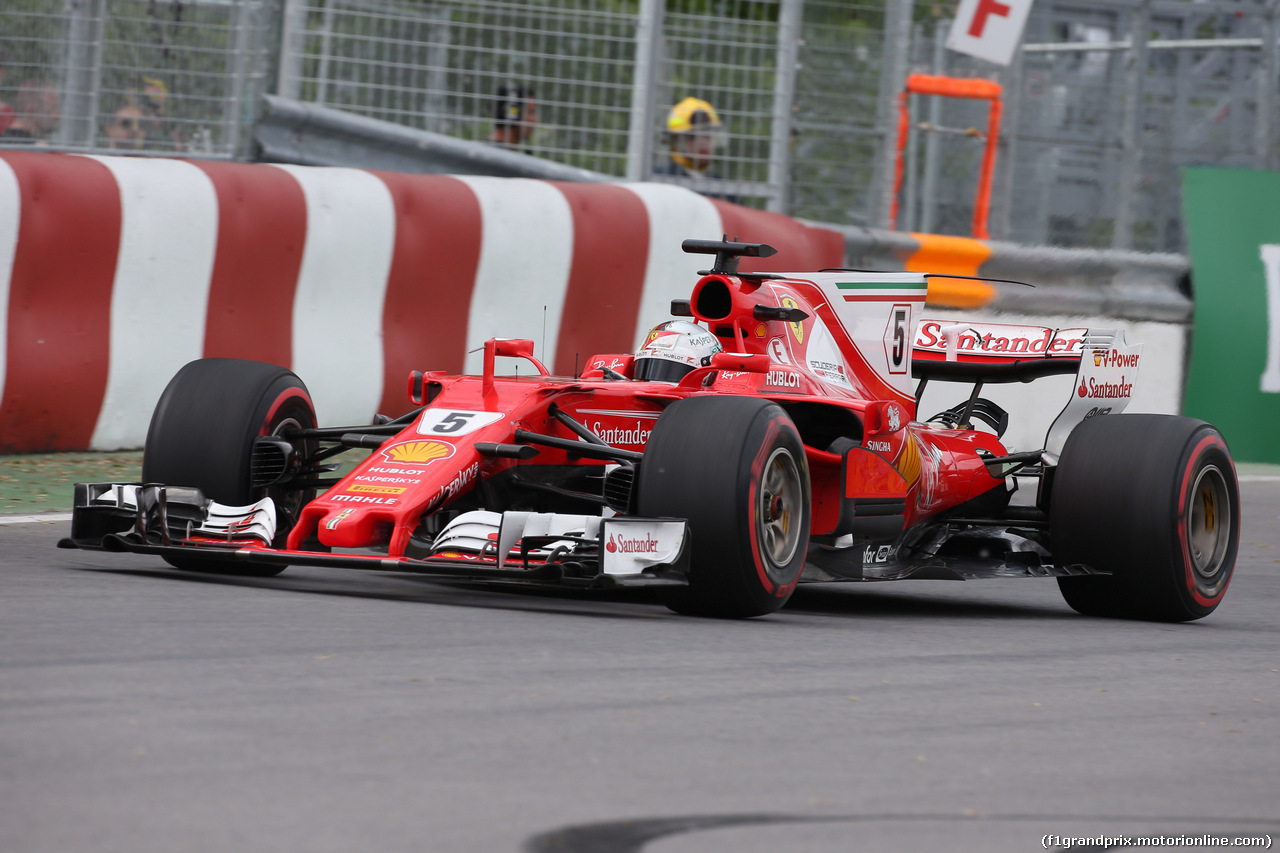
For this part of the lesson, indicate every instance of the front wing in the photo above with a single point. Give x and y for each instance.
(181, 524)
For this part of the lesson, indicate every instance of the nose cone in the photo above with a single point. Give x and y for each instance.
(353, 527)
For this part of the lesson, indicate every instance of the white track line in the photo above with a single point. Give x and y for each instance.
(42, 518)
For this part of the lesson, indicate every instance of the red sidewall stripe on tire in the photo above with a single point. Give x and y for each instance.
(772, 429)
(1183, 496)
(276, 404)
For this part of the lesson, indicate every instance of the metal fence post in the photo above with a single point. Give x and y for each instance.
(1131, 127)
(293, 25)
(434, 98)
(240, 75)
(784, 90)
(1006, 172)
(326, 54)
(84, 34)
(932, 150)
(644, 90)
(1264, 132)
(893, 72)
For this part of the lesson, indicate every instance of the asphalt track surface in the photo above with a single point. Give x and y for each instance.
(144, 709)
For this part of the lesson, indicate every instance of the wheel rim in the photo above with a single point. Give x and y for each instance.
(778, 517)
(1209, 525)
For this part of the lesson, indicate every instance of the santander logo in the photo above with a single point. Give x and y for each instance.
(1107, 390)
(647, 545)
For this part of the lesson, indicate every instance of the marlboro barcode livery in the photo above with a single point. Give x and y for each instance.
(767, 436)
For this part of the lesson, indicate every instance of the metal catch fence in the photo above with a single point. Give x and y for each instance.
(141, 76)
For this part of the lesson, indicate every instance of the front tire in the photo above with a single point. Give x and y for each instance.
(1154, 500)
(735, 468)
(202, 434)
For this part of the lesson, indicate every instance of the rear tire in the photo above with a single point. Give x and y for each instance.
(1153, 499)
(735, 468)
(202, 435)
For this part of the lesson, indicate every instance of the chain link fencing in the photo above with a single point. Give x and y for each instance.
(1102, 106)
(136, 76)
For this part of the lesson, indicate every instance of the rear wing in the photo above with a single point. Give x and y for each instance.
(1104, 363)
(993, 352)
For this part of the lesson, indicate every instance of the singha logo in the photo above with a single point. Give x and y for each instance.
(895, 420)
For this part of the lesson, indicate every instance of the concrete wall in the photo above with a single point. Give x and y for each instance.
(114, 272)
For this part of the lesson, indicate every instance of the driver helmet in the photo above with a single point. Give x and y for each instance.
(672, 349)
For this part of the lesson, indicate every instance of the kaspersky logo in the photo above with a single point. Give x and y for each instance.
(417, 452)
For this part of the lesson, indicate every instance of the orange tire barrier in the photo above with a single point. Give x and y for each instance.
(957, 255)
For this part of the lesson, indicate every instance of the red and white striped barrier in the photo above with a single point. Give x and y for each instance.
(114, 272)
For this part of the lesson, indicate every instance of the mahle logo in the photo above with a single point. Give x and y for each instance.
(417, 452)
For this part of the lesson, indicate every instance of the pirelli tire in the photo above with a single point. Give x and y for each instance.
(735, 468)
(1154, 500)
(202, 434)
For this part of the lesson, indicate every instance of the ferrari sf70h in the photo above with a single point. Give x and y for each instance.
(766, 437)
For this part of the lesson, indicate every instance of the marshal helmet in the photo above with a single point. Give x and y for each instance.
(693, 116)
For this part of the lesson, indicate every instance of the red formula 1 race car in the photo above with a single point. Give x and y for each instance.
(769, 438)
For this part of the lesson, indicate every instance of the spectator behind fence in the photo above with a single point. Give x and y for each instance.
(36, 115)
(694, 134)
(160, 130)
(515, 115)
(143, 122)
(124, 131)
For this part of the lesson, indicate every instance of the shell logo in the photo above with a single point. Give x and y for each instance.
(417, 452)
(909, 461)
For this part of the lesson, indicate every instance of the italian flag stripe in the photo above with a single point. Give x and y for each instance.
(872, 285)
